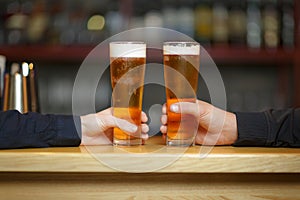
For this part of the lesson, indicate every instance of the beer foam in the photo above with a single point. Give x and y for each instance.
(132, 50)
(181, 49)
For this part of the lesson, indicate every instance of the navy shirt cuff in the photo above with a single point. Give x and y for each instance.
(252, 129)
(68, 131)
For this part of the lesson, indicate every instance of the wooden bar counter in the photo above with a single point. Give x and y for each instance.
(160, 172)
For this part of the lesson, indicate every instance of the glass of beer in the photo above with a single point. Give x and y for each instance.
(127, 69)
(181, 67)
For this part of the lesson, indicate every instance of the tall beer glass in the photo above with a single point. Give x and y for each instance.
(127, 69)
(181, 66)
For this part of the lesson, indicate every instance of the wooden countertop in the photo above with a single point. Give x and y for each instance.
(152, 157)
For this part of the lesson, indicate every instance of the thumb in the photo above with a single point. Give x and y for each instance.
(185, 108)
(124, 125)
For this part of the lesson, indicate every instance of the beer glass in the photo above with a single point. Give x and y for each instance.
(181, 66)
(127, 69)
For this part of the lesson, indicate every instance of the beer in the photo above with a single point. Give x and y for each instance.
(181, 65)
(180, 126)
(127, 67)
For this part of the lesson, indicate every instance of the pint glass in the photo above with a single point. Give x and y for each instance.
(181, 66)
(127, 69)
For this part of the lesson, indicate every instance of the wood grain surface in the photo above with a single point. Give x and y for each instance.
(214, 173)
(204, 186)
(155, 156)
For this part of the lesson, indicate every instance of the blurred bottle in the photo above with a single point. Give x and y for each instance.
(66, 34)
(271, 24)
(34, 105)
(135, 22)
(78, 27)
(254, 24)
(203, 22)
(153, 18)
(25, 97)
(2, 24)
(20, 89)
(15, 90)
(6, 89)
(114, 22)
(237, 22)
(57, 21)
(170, 17)
(220, 23)
(186, 21)
(38, 23)
(2, 71)
(15, 23)
(288, 24)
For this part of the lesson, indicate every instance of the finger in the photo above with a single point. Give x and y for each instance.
(138, 134)
(185, 108)
(145, 128)
(163, 130)
(164, 109)
(144, 136)
(122, 124)
(164, 119)
(144, 117)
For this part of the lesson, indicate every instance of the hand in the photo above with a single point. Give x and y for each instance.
(97, 129)
(216, 126)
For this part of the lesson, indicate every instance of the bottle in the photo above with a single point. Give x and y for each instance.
(254, 24)
(288, 24)
(15, 23)
(220, 23)
(203, 22)
(33, 89)
(15, 92)
(170, 18)
(271, 24)
(237, 22)
(186, 21)
(2, 71)
(6, 90)
(38, 22)
(25, 97)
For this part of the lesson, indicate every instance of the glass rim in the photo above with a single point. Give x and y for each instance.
(181, 42)
(127, 42)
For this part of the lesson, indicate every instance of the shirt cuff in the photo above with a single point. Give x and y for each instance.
(296, 126)
(68, 131)
(252, 129)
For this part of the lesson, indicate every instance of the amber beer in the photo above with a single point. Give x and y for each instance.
(127, 69)
(181, 66)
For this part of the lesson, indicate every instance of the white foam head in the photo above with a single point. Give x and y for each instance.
(181, 48)
(127, 49)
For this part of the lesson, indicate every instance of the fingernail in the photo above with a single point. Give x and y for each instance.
(174, 108)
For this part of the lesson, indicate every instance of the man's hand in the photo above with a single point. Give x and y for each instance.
(97, 129)
(216, 126)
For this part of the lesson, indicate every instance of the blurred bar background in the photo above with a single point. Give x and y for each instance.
(255, 44)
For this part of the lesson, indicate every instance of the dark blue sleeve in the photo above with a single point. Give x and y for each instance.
(36, 130)
(272, 128)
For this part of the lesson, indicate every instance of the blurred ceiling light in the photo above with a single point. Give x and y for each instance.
(96, 23)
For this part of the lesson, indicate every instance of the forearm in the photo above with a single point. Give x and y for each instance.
(273, 128)
(37, 130)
